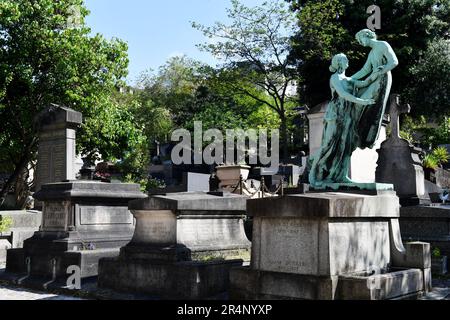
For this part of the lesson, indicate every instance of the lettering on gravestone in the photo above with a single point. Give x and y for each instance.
(55, 216)
(103, 215)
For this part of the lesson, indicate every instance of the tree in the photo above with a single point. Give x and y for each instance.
(255, 48)
(328, 27)
(154, 123)
(430, 88)
(173, 87)
(47, 55)
(191, 91)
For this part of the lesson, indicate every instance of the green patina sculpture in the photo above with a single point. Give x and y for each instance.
(354, 115)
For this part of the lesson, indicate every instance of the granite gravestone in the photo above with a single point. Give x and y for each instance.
(183, 246)
(399, 162)
(56, 151)
(329, 246)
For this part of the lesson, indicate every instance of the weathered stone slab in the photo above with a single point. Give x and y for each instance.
(329, 204)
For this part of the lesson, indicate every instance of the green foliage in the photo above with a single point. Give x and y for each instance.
(430, 88)
(146, 123)
(426, 133)
(436, 253)
(173, 87)
(430, 162)
(153, 183)
(47, 58)
(255, 47)
(436, 158)
(5, 223)
(112, 132)
(409, 26)
(441, 154)
(184, 91)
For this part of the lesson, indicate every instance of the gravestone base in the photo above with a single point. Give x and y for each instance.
(82, 222)
(166, 280)
(324, 245)
(248, 284)
(42, 262)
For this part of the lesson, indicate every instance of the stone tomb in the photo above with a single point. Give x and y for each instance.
(330, 246)
(183, 246)
(82, 222)
(24, 225)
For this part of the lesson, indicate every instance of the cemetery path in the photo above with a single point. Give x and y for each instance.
(12, 293)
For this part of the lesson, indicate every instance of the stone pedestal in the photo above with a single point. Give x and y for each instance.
(82, 222)
(56, 151)
(330, 246)
(183, 246)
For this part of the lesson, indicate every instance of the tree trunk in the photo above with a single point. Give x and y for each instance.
(22, 189)
(20, 167)
(284, 139)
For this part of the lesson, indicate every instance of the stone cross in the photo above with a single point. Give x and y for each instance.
(395, 111)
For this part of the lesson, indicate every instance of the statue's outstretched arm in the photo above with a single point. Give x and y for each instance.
(337, 85)
(364, 71)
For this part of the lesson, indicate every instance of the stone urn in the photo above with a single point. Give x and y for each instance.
(229, 175)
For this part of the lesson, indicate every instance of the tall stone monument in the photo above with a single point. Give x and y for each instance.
(82, 220)
(342, 244)
(399, 162)
(56, 151)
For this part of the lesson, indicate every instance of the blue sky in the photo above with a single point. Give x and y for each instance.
(157, 29)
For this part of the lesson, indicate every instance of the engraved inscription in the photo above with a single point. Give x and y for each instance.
(59, 162)
(155, 227)
(103, 215)
(55, 216)
(160, 229)
(208, 231)
(289, 245)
